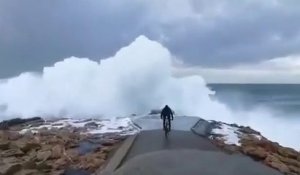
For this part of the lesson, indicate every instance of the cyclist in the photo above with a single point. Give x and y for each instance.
(167, 114)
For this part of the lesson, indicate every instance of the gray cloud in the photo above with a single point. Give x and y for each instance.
(36, 33)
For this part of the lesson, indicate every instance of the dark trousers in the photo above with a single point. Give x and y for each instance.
(167, 118)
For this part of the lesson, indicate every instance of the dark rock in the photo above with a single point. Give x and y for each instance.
(71, 171)
(91, 125)
(17, 121)
(26, 146)
(248, 130)
(12, 152)
(28, 172)
(155, 111)
(234, 125)
(29, 164)
(9, 169)
(109, 142)
(4, 145)
(43, 166)
(60, 164)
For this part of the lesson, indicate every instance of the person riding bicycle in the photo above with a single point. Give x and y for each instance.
(167, 113)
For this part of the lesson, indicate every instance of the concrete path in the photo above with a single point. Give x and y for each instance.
(193, 162)
(153, 122)
(154, 140)
(185, 151)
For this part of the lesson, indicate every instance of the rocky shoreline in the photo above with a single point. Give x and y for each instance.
(238, 139)
(31, 147)
(81, 147)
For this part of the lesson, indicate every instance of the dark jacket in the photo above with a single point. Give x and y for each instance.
(166, 112)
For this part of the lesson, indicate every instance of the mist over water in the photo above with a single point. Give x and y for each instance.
(136, 79)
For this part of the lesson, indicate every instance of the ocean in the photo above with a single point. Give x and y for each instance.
(282, 99)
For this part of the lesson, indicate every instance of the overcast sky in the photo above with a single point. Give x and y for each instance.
(214, 35)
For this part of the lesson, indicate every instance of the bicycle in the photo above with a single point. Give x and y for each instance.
(167, 126)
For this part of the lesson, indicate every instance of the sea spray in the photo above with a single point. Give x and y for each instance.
(136, 79)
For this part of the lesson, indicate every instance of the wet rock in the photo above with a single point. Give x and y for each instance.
(109, 142)
(9, 169)
(283, 159)
(18, 121)
(91, 125)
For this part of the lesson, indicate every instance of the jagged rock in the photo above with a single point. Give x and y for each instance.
(43, 166)
(248, 130)
(29, 164)
(255, 152)
(106, 149)
(28, 172)
(13, 135)
(288, 152)
(253, 144)
(4, 145)
(234, 125)
(9, 169)
(231, 148)
(294, 169)
(43, 155)
(289, 161)
(91, 162)
(274, 162)
(109, 142)
(73, 154)
(60, 164)
(10, 160)
(3, 135)
(57, 172)
(27, 146)
(12, 152)
(17, 121)
(57, 152)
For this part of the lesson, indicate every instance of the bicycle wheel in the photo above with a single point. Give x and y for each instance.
(166, 127)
